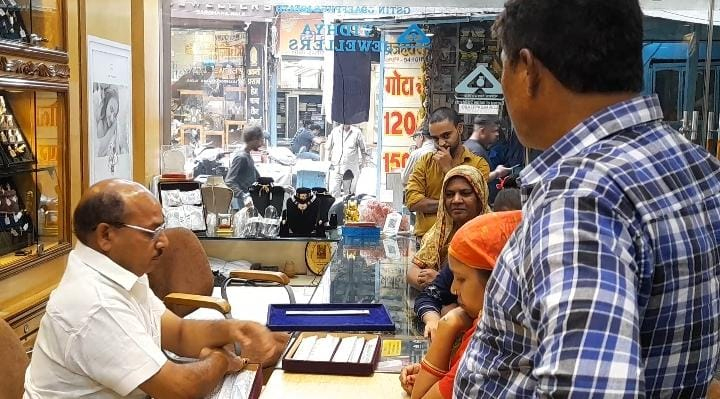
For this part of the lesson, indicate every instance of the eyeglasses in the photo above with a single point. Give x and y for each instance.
(154, 233)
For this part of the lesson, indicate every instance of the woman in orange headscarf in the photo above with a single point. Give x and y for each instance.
(472, 255)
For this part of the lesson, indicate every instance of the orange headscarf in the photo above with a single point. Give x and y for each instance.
(478, 243)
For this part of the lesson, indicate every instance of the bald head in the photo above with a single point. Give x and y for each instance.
(105, 202)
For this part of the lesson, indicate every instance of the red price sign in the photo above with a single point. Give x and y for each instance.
(394, 160)
(400, 123)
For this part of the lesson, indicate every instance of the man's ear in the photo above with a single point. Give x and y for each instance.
(533, 67)
(103, 236)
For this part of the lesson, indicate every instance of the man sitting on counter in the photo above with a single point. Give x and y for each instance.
(103, 329)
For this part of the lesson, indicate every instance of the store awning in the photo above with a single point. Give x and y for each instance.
(692, 16)
(698, 5)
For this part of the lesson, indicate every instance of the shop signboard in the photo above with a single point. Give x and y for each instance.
(255, 84)
(480, 108)
(374, 11)
(403, 88)
(294, 27)
(225, 10)
(394, 157)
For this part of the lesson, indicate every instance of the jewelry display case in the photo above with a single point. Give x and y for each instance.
(34, 163)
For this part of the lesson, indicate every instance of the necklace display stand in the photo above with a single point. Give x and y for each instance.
(264, 193)
(302, 213)
(216, 196)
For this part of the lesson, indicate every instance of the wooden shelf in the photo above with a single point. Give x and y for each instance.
(184, 92)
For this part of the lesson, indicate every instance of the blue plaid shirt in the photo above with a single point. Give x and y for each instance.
(610, 287)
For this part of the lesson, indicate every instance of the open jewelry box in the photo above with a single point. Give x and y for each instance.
(363, 367)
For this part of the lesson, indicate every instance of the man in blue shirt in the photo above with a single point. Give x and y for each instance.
(303, 141)
(610, 287)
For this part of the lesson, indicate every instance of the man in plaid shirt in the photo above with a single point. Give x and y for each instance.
(610, 287)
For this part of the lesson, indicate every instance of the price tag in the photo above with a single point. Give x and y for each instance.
(392, 224)
(391, 347)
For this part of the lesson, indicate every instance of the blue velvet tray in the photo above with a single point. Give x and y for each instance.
(378, 319)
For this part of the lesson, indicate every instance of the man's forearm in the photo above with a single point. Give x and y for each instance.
(425, 205)
(198, 334)
(187, 380)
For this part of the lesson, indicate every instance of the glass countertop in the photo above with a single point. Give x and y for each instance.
(373, 271)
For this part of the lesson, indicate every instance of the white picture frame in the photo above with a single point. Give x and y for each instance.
(110, 110)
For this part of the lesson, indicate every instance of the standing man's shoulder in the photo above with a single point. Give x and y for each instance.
(469, 158)
(424, 160)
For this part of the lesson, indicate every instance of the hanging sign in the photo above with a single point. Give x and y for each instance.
(255, 86)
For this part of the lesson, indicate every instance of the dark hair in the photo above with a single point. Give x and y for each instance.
(508, 199)
(590, 46)
(314, 126)
(485, 120)
(251, 133)
(444, 114)
(103, 207)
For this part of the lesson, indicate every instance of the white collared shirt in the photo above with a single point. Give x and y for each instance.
(100, 335)
(346, 149)
(428, 146)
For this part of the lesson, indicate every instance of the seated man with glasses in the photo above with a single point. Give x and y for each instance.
(103, 329)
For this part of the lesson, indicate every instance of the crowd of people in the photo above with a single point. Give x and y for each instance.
(606, 284)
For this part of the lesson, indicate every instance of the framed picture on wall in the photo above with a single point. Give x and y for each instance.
(110, 116)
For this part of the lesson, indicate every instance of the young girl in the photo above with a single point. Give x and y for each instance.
(471, 257)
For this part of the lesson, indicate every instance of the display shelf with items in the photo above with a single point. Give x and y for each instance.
(15, 147)
(310, 110)
(12, 25)
(33, 23)
(182, 204)
(33, 217)
(35, 167)
(233, 133)
(214, 138)
(281, 115)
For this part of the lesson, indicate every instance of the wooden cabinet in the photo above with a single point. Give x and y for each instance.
(35, 229)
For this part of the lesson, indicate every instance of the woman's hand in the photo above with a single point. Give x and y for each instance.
(431, 320)
(408, 375)
(426, 277)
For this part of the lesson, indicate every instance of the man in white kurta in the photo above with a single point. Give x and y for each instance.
(98, 307)
(103, 330)
(346, 146)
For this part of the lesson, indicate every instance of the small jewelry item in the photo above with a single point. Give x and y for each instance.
(18, 216)
(7, 219)
(3, 137)
(7, 200)
(12, 152)
(302, 201)
(21, 148)
(14, 233)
